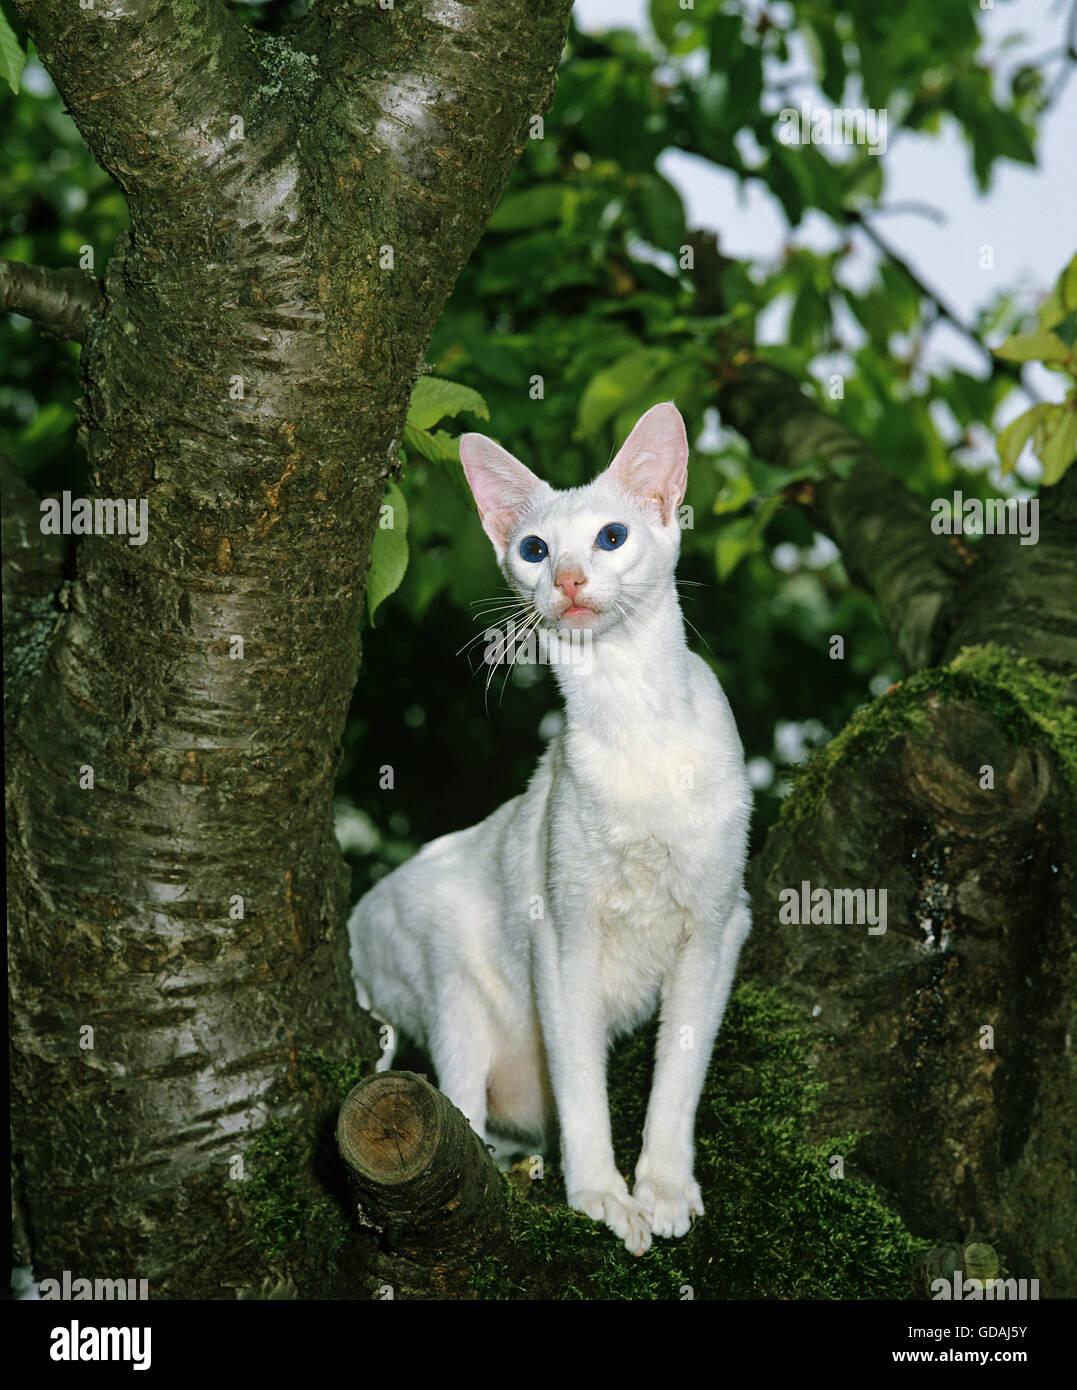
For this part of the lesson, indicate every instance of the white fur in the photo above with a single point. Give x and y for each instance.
(516, 950)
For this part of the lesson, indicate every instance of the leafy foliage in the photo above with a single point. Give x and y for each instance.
(1052, 428)
(580, 309)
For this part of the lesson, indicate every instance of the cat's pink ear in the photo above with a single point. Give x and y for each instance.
(502, 486)
(652, 463)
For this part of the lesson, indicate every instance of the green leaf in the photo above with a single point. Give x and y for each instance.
(679, 29)
(439, 448)
(734, 495)
(615, 386)
(737, 538)
(389, 551)
(433, 397)
(1066, 329)
(1017, 433)
(435, 448)
(1063, 298)
(1060, 445)
(809, 321)
(742, 536)
(531, 207)
(790, 180)
(661, 212)
(1041, 346)
(12, 58)
(52, 421)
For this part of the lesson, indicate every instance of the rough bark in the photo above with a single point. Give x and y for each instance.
(247, 372)
(33, 566)
(966, 1129)
(421, 1175)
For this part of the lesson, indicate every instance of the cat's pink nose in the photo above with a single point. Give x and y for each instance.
(570, 582)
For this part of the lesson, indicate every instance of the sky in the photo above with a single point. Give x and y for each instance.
(1028, 215)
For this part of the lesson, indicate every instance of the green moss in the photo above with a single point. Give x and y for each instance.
(1025, 700)
(777, 1225)
(281, 1208)
(335, 1079)
(289, 71)
(286, 1168)
(1029, 702)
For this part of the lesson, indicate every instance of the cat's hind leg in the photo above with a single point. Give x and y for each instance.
(461, 1048)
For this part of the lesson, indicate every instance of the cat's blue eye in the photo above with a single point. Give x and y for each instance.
(611, 536)
(534, 548)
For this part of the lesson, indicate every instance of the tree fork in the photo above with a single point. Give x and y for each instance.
(419, 1171)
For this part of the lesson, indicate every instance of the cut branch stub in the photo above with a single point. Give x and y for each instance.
(419, 1171)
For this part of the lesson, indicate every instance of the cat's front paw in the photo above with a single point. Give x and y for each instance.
(623, 1214)
(670, 1205)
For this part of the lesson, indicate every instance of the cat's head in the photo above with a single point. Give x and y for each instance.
(588, 556)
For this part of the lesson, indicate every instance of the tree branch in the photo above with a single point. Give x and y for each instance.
(419, 1171)
(58, 301)
(999, 367)
(150, 85)
(980, 926)
(881, 528)
(433, 102)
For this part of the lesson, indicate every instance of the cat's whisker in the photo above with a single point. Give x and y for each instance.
(532, 623)
(505, 613)
(478, 637)
(699, 634)
(643, 587)
(521, 637)
(498, 619)
(620, 608)
(492, 665)
(505, 589)
(511, 601)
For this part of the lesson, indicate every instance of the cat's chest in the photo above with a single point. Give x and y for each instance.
(650, 801)
(642, 917)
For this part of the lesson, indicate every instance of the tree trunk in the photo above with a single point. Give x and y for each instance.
(299, 209)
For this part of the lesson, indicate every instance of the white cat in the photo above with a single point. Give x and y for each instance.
(516, 950)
